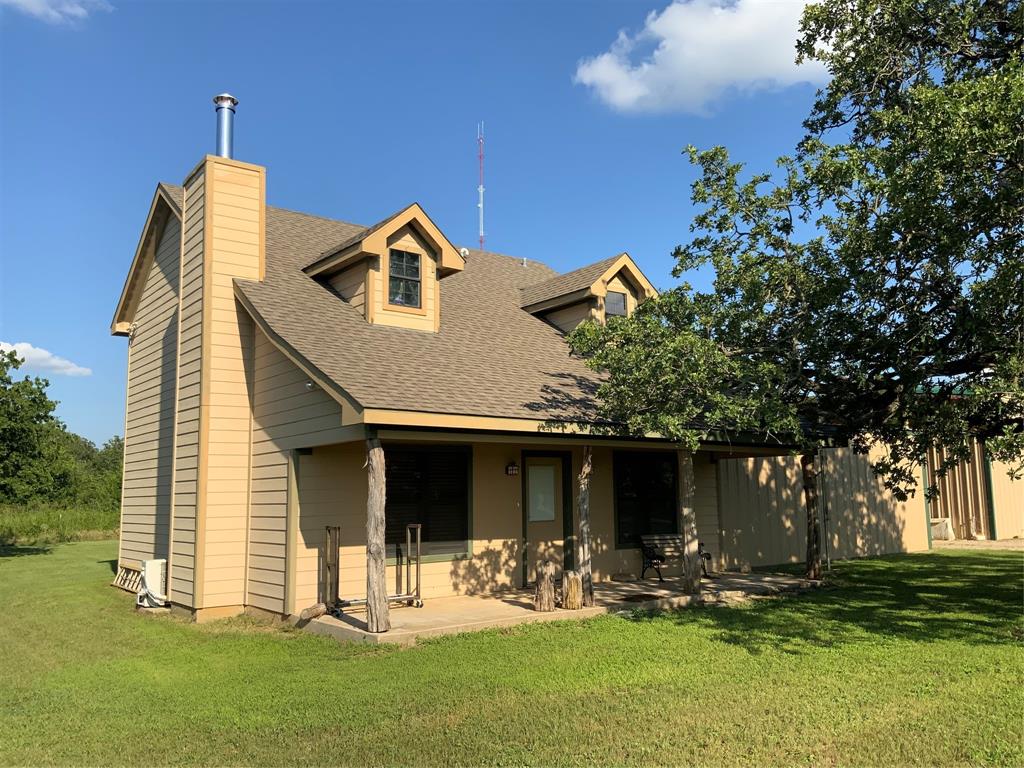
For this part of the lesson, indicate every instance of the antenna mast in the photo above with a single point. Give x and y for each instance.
(480, 189)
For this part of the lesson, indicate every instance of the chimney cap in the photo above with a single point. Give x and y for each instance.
(225, 100)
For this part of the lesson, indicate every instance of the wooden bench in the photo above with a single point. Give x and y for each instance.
(656, 548)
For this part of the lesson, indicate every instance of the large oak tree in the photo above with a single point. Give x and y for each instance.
(870, 288)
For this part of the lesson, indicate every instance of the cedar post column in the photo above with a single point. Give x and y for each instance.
(811, 503)
(377, 617)
(586, 570)
(688, 524)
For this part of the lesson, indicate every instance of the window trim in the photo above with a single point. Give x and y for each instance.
(418, 310)
(625, 304)
(467, 448)
(619, 546)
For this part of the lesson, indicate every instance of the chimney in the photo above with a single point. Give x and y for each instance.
(226, 104)
(223, 238)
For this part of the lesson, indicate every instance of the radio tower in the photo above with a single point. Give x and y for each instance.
(480, 189)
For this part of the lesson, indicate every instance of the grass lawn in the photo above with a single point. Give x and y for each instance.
(907, 660)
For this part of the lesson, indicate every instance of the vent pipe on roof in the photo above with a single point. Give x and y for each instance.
(226, 104)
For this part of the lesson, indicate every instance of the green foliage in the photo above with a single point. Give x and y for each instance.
(41, 463)
(41, 525)
(871, 289)
(908, 660)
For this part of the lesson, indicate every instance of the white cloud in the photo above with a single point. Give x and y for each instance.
(58, 11)
(699, 51)
(41, 360)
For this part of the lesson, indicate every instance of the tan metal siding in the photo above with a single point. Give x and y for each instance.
(286, 415)
(963, 493)
(1008, 499)
(764, 521)
(863, 517)
(761, 511)
(149, 422)
(186, 440)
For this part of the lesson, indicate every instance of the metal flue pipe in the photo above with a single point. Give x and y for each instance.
(225, 104)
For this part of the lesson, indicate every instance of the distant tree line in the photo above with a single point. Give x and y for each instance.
(41, 462)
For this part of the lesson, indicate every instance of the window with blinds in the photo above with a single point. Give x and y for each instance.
(429, 485)
(615, 304)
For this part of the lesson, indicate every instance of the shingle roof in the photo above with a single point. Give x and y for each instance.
(490, 358)
(176, 193)
(560, 285)
(362, 234)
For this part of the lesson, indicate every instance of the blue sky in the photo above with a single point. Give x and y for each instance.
(357, 110)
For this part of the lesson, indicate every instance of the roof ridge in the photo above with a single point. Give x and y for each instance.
(331, 220)
(571, 272)
(314, 216)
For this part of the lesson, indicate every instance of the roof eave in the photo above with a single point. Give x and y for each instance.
(555, 302)
(160, 209)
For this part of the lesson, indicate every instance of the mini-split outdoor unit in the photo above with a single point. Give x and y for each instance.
(153, 585)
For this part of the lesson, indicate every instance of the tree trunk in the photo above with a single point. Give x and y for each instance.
(688, 524)
(572, 591)
(377, 617)
(813, 528)
(586, 569)
(544, 598)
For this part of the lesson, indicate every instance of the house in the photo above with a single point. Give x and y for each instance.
(269, 351)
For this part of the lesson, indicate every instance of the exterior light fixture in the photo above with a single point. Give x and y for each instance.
(511, 469)
(309, 386)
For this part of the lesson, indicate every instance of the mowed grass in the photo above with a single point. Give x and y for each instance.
(910, 660)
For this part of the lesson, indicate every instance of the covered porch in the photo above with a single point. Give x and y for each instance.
(491, 508)
(470, 613)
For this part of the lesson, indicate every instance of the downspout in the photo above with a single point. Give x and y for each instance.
(927, 502)
(990, 496)
(823, 486)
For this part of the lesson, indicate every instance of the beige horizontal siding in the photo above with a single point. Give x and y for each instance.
(149, 417)
(186, 440)
(351, 285)
(285, 415)
(705, 505)
(567, 318)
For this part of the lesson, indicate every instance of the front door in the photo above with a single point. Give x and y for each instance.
(542, 496)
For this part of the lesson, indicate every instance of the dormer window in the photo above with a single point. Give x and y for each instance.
(615, 304)
(404, 278)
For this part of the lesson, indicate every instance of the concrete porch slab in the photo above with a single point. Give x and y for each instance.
(1012, 544)
(468, 613)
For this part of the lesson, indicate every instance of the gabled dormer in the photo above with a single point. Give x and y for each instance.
(607, 288)
(391, 272)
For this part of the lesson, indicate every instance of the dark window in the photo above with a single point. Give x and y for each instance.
(430, 486)
(615, 304)
(404, 278)
(645, 495)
